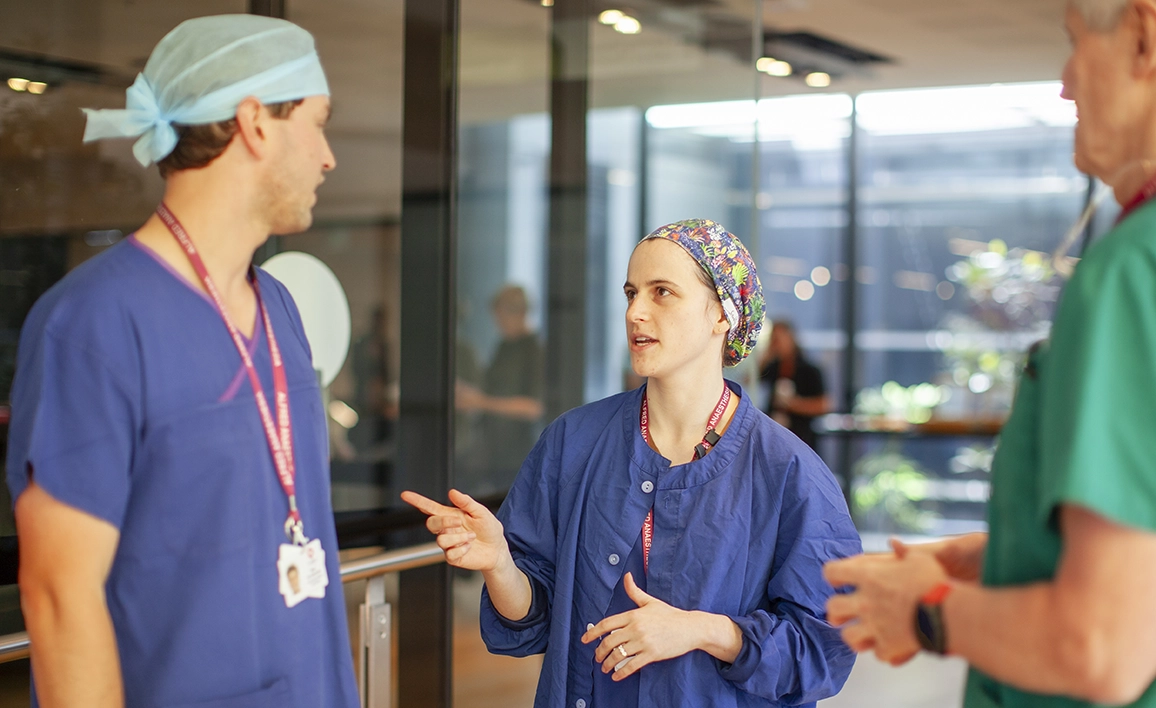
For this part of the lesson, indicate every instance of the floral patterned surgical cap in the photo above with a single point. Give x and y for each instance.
(729, 264)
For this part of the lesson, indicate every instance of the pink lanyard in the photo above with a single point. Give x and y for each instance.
(708, 441)
(279, 435)
(1146, 192)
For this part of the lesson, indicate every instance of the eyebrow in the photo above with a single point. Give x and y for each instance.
(651, 283)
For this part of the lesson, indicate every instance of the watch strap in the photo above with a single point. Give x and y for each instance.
(930, 629)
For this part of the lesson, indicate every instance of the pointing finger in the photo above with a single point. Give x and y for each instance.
(424, 504)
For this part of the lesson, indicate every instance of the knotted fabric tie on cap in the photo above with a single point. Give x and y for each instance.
(142, 117)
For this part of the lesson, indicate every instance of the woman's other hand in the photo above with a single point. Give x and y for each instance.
(657, 631)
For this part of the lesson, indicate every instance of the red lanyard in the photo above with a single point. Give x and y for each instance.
(708, 441)
(279, 435)
(1146, 192)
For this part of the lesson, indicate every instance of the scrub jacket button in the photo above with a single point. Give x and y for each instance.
(647, 487)
(589, 626)
(613, 559)
(580, 703)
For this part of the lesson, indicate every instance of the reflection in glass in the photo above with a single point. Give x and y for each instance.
(355, 232)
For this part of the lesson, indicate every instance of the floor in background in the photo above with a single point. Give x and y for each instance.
(924, 682)
(15, 686)
(481, 679)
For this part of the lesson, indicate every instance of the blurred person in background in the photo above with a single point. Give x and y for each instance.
(168, 451)
(1055, 606)
(795, 391)
(663, 547)
(510, 396)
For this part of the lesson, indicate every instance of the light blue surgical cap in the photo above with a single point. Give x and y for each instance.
(202, 70)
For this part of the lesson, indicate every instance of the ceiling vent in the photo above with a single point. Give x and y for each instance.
(807, 52)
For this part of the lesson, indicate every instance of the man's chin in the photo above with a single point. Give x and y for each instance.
(288, 227)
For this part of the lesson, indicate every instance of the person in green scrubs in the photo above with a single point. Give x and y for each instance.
(1057, 605)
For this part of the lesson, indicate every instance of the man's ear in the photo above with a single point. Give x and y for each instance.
(1143, 20)
(252, 125)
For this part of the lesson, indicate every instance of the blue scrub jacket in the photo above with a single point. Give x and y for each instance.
(743, 532)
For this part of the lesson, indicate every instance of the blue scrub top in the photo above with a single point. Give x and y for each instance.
(131, 404)
(743, 532)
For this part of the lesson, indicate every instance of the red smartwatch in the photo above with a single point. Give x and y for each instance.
(929, 625)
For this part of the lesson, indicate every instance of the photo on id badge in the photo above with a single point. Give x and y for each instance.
(301, 572)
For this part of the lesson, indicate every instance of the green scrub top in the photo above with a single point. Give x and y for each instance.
(1080, 431)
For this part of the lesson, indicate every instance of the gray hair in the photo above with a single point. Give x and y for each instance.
(1101, 15)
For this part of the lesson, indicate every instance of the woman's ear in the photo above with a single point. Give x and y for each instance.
(721, 325)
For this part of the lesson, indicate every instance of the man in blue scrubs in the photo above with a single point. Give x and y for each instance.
(168, 450)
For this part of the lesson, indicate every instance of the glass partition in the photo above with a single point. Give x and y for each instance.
(356, 234)
(964, 194)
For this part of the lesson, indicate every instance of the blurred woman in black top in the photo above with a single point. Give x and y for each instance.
(797, 394)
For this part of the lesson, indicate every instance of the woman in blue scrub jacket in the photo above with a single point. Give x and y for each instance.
(736, 514)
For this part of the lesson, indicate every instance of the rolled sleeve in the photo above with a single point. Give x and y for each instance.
(528, 516)
(73, 427)
(522, 637)
(791, 654)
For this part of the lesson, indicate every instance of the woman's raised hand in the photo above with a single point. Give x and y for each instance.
(467, 532)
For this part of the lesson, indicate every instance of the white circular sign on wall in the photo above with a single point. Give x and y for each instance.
(323, 306)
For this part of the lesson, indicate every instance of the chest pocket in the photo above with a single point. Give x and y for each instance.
(199, 484)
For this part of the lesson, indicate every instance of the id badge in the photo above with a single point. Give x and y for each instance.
(301, 572)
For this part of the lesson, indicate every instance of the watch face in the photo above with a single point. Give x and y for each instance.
(929, 628)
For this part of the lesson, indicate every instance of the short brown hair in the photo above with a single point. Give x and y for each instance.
(198, 145)
(512, 299)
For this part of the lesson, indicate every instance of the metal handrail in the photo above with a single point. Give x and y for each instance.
(14, 647)
(392, 562)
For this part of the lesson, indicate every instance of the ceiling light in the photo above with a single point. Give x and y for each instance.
(628, 25)
(18, 84)
(804, 290)
(764, 63)
(547, 3)
(779, 68)
(818, 79)
(37, 87)
(610, 17)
